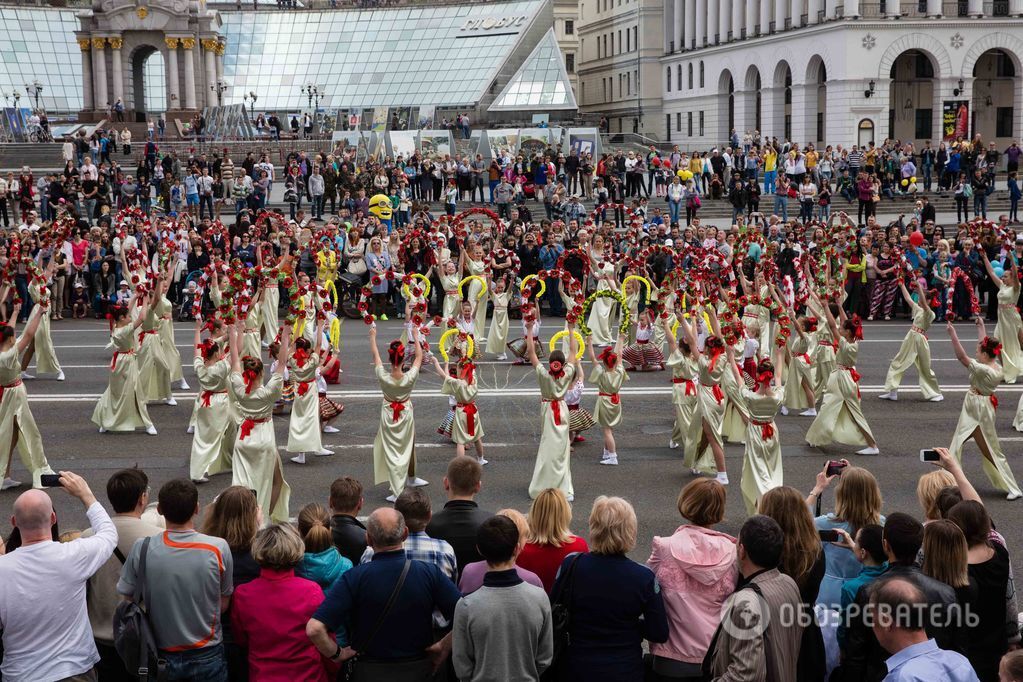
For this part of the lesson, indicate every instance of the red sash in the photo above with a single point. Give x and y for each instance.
(643, 342)
(248, 425)
(556, 409)
(303, 387)
(615, 400)
(766, 429)
(856, 378)
(919, 331)
(4, 388)
(719, 395)
(690, 385)
(113, 360)
(206, 395)
(470, 417)
(806, 358)
(994, 401)
(144, 333)
(397, 406)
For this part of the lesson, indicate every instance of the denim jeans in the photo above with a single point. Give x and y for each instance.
(317, 206)
(673, 210)
(980, 205)
(781, 207)
(205, 202)
(206, 665)
(770, 177)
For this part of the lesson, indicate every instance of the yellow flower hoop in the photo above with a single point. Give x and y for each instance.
(335, 333)
(639, 278)
(578, 337)
(543, 285)
(426, 286)
(618, 296)
(470, 351)
(333, 291)
(483, 289)
(296, 330)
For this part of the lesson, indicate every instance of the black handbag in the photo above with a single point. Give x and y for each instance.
(561, 621)
(134, 639)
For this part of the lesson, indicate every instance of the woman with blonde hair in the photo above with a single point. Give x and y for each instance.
(268, 615)
(321, 563)
(697, 570)
(928, 487)
(550, 539)
(615, 603)
(857, 504)
(472, 575)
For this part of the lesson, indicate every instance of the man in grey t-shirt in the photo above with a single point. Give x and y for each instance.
(188, 587)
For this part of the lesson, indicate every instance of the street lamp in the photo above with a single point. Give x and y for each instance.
(34, 90)
(13, 95)
(250, 96)
(220, 88)
(313, 92)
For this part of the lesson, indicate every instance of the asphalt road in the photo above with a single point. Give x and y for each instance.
(650, 475)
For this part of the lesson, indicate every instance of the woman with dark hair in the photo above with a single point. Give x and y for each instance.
(394, 448)
(553, 467)
(304, 425)
(608, 376)
(256, 463)
(122, 407)
(17, 425)
(841, 417)
(215, 421)
(988, 567)
(977, 418)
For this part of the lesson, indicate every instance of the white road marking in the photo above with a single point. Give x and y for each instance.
(419, 446)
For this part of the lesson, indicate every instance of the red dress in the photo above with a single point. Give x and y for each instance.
(545, 560)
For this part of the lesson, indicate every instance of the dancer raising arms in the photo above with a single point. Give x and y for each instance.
(497, 337)
(977, 418)
(682, 361)
(256, 462)
(17, 425)
(705, 427)
(914, 350)
(466, 426)
(216, 419)
(608, 375)
(603, 272)
(122, 407)
(304, 424)
(394, 448)
(553, 466)
(799, 381)
(761, 461)
(154, 368)
(1009, 326)
(840, 418)
(42, 348)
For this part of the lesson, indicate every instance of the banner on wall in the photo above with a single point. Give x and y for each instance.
(955, 120)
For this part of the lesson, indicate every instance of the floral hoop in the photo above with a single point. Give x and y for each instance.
(605, 293)
(642, 280)
(415, 293)
(525, 285)
(483, 288)
(335, 333)
(578, 338)
(441, 345)
(957, 275)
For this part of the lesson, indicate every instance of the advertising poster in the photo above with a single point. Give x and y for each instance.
(955, 120)
(379, 119)
(426, 116)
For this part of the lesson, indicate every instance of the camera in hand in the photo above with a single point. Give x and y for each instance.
(829, 535)
(929, 456)
(49, 480)
(835, 467)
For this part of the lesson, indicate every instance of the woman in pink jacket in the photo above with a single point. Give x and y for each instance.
(696, 568)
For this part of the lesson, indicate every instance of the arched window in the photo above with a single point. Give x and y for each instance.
(865, 132)
(669, 78)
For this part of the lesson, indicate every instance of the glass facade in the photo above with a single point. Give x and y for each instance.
(441, 56)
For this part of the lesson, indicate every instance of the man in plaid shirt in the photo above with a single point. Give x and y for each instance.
(414, 505)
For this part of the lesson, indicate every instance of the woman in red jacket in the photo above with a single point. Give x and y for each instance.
(550, 540)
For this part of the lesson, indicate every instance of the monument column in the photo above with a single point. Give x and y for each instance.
(84, 44)
(173, 77)
(188, 45)
(99, 69)
(116, 72)
(209, 47)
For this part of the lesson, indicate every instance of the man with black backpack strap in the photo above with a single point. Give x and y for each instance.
(128, 493)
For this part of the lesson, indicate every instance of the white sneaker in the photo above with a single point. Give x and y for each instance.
(299, 458)
(190, 429)
(502, 356)
(722, 477)
(1013, 496)
(183, 385)
(693, 471)
(672, 445)
(60, 375)
(324, 452)
(483, 462)
(936, 399)
(9, 483)
(264, 344)
(102, 429)
(170, 401)
(391, 498)
(893, 396)
(868, 451)
(331, 429)
(812, 412)
(784, 411)
(570, 498)
(203, 479)
(151, 430)
(26, 376)
(611, 459)
(414, 482)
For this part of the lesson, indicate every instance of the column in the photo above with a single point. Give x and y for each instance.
(99, 67)
(772, 112)
(221, 46)
(781, 11)
(738, 19)
(701, 23)
(678, 24)
(765, 17)
(830, 9)
(690, 23)
(724, 20)
(801, 126)
(712, 22)
(209, 47)
(975, 8)
(813, 10)
(116, 72)
(796, 13)
(84, 45)
(1015, 8)
(752, 13)
(893, 9)
(188, 45)
(934, 8)
(851, 8)
(173, 76)
(740, 112)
